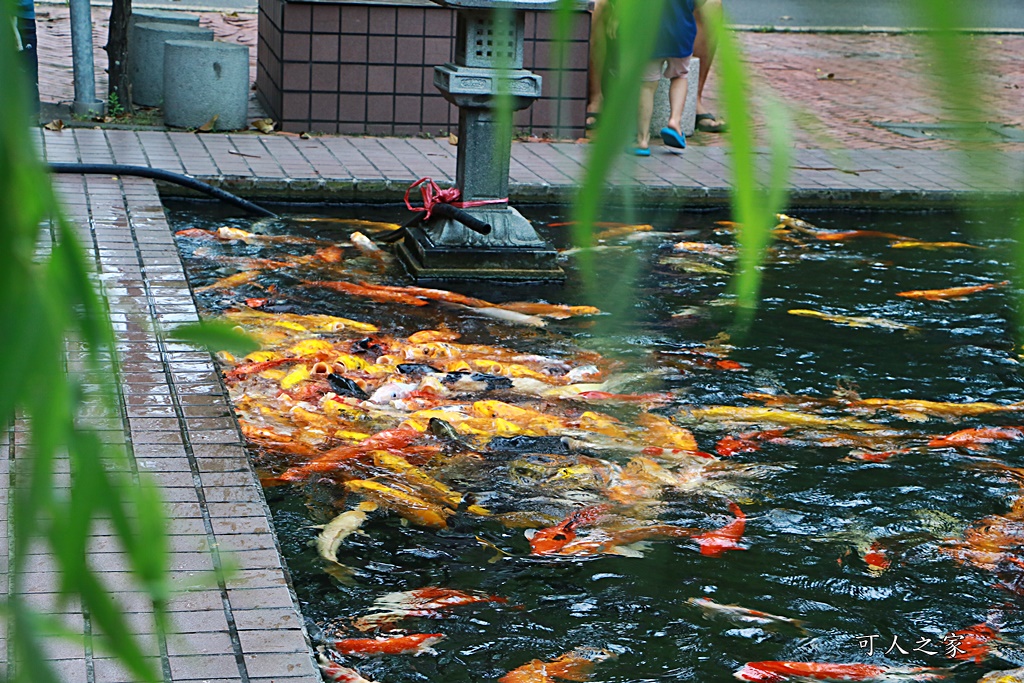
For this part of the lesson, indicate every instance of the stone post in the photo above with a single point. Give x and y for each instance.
(488, 68)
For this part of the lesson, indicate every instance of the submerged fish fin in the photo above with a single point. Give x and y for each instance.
(632, 550)
(344, 574)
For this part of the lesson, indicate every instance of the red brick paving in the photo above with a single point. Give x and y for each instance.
(228, 628)
(56, 81)
(876, 77)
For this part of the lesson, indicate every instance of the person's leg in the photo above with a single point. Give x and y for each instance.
(677, 90)
(598, 49)
(645, 111)
(704, 48)
(677, 71)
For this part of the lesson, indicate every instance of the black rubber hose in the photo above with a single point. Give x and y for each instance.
(474, 224)
(166, 176)
(401, 232)
(445, 211)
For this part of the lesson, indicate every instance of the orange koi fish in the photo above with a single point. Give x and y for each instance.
(973, 642)
(433, 294)
(859, 234)
(992, 541)
(974, 439)
(749, 442)
(949, 293)
(375, 293)
(552, 539)
(333, 672)
(556, 311)
(874, 557)
(715, 543)
(412, 644)
(332, 254)
(197, 233)
(397, 437)
(876, 456)
(577, 665)
(256, 368)
(775, 672)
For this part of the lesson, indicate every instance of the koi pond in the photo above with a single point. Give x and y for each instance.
(603, 481)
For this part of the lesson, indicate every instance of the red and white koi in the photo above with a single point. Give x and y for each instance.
(426, 603)
(775, 672)
(333, 672)
(742, 615)
(978, 438)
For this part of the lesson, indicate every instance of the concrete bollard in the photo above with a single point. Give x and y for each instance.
(206, 79)
(160, 16)
(146, 68)
(661, 107)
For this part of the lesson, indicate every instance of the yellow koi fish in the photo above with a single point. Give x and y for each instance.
(430, 488)
(932, 246)
(416, 510)
(775, 416)
(341, 527)
(853, 321)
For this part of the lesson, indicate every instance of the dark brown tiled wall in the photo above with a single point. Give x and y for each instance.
(348, 67)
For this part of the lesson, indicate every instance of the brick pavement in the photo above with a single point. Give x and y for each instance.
(341, 168)
(876, 77)
(179, 427)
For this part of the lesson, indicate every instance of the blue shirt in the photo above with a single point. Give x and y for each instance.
(678, 30)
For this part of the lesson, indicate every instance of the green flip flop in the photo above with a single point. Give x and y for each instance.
(703, 124)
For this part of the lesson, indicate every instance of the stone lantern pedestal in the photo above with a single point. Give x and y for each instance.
(488, 68)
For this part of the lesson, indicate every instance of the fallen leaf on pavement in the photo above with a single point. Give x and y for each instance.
(56, 125)
(208, 126)
(264, 125)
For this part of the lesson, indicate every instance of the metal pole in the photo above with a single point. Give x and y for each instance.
(86, 103)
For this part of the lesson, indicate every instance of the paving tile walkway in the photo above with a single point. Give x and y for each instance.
(375, 169)
(179, 427)
(836, 84)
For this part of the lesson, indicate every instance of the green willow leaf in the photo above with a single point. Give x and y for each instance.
(753, 207)
(635, 34)
(215, 335)
(51, 306)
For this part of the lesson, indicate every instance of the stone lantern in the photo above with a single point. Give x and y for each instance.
(488, 64)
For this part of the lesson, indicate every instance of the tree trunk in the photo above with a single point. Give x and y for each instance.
(118, 89)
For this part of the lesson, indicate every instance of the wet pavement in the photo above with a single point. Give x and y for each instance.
(178, 420)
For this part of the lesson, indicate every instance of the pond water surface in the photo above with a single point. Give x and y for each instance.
(859, 522)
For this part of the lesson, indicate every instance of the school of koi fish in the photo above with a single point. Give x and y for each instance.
(497, 427)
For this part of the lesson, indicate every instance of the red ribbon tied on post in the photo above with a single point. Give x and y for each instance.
(433, 195)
